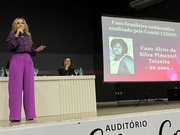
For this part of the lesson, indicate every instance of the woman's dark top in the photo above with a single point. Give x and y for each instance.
(63, 71)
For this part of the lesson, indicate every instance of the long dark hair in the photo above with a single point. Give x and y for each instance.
(63, 63)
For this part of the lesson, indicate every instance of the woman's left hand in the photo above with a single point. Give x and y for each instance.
(40, 48)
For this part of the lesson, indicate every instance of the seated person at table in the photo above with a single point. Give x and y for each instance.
(67, 68)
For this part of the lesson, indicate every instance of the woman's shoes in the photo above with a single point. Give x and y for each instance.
(19, 120)
(29, 119)
(15, 120)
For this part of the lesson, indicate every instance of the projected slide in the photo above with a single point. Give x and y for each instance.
(139, 50)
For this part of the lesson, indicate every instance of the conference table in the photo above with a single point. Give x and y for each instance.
(56, 95)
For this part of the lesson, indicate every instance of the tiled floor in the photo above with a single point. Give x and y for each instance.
(103, 109)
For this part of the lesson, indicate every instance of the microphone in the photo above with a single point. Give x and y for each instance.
(20, 33)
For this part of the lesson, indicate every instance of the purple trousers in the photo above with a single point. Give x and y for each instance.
(21, 87)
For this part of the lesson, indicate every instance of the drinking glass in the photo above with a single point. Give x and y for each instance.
(7, 72)
(35, 71)
(76, 71)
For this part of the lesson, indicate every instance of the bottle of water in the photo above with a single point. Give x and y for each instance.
(80, 71)
(2, 72)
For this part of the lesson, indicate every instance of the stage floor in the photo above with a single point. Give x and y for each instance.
(103, 109)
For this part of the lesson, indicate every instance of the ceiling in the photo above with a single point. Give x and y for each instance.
(168, 9)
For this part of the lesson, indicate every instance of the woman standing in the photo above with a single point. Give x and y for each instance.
(21, 71)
